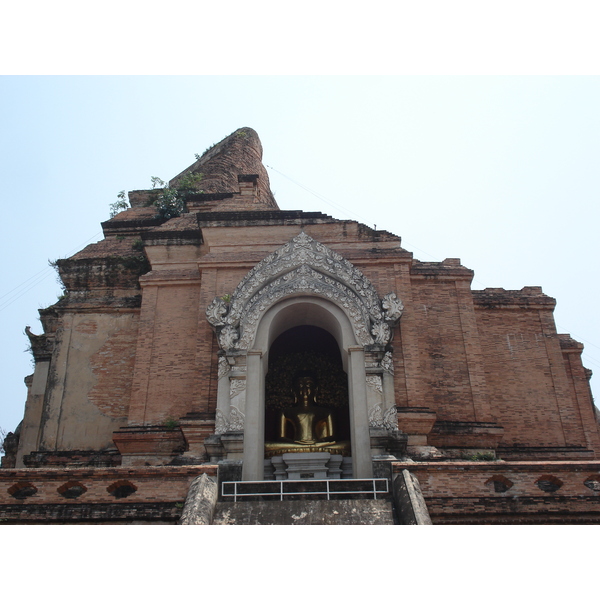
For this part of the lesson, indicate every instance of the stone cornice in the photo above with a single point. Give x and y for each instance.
(531, 298)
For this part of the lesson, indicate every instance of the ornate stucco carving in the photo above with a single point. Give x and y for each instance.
(228, 337)
(381, 332)
(303, 265)
(392, 307)
(376, 416)
(223, 367)
(383, 420)
(216, 311)
(236, 420)
(387, 363)
(237, 387)
(390, 419)
(375, 382)
(220, 422)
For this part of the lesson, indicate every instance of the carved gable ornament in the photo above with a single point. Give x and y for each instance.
(303, 266)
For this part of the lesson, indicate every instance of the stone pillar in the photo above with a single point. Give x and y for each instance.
(53, 400)
(359, 416)
(254, 425)
(30, 427)
(388, 390)
(223, 395)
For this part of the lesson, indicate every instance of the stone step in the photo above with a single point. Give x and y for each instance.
(305, 512)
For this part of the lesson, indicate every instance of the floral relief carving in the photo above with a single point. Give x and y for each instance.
(390, 419)
(228, 337)
(216, 311)
(375, 382)
(387, 362)
(392, 307)
(236, 420)
(237, 386)
(383, 420)
(220, 422)
(223, 367)
(381, 332)
(376, 416)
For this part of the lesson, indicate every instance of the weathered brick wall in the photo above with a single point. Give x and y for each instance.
(445, 386)
(451, 354)
(467, 356)
(165, 383)
(509, 492)
(89, 383)
(520, 379)
(580, 391)
(157, 493)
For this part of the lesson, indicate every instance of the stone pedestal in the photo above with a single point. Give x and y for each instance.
(308, 465)
(269, 470)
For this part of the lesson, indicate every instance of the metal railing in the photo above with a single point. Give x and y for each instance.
(299, 487)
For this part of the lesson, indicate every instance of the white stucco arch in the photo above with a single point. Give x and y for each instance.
(305, 310)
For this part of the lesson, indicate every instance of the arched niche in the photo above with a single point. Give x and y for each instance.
(301, 283)
(282, 316)
(310, 350)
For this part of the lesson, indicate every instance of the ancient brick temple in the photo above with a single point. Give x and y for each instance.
(195, 340)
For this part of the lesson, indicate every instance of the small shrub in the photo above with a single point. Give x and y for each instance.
(170, 201)
(120, 205)
(171, 423)
(482, 456)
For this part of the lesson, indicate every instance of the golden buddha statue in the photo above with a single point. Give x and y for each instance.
(306, 427)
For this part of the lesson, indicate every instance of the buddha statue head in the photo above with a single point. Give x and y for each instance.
(305, 388)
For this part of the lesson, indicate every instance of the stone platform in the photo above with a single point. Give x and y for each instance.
(302, 512)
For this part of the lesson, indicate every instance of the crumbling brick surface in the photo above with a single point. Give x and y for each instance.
(158, 494)
(238, 154)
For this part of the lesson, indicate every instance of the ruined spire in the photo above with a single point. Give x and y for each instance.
(233, 161)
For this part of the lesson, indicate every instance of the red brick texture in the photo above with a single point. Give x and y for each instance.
(526, 492)
(157, 492)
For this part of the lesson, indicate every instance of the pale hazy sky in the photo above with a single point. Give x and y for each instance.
(501, 172)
